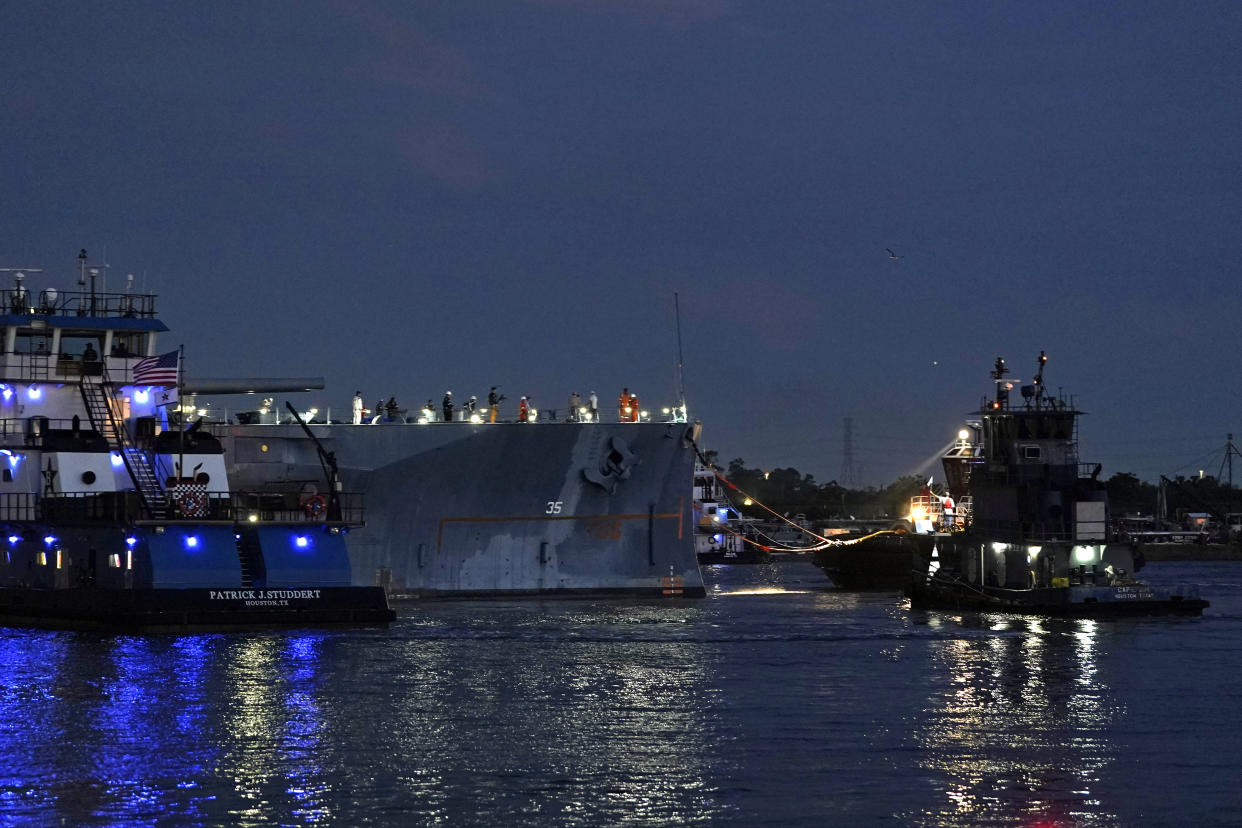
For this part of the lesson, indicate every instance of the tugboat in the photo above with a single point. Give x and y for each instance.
(1035, 539)
(720, 537)
(116, 513)
(882, 559)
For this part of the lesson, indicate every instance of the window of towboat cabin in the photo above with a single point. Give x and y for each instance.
(125, 345)
(32, 343)
(1031, 453)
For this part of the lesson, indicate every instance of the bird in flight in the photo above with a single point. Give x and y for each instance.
(893, 255)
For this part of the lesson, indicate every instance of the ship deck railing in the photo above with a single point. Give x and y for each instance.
(37, 367)
(84, 303)
(265, 507)
(221, 423)
(29, 429)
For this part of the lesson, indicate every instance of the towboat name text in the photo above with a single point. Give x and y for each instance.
(262, 597)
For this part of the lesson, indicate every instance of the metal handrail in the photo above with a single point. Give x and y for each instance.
(25, 302)
(236, 507)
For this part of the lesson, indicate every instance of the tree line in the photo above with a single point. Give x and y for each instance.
(787, 491)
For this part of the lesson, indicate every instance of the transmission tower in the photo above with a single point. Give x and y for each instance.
(849, 475)
(1227, 462)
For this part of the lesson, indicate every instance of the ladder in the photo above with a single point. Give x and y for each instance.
(250, 556)
(101, 408)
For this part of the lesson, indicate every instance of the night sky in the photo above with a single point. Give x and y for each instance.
(413, 197)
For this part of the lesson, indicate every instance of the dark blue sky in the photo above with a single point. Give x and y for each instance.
(408, 197)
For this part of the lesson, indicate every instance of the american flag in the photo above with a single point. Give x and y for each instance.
(158, 370)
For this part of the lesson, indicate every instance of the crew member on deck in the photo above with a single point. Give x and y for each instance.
(523, 408)
(493, 402)
(446, 406)
(623, 406)
(593, 407)
(89, 355)
(575, 402)
(633, 408)
(390, 408)
(358, 408)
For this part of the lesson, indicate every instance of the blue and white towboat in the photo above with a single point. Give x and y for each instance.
(116, 515)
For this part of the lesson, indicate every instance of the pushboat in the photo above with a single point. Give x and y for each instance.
(116, 512)
(1024, 524)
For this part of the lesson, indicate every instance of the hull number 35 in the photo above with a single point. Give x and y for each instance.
(554, 507)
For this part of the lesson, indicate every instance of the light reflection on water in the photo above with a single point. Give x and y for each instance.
(779, 702)
(1016, 724)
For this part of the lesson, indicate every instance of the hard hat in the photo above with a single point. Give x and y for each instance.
(473, 397)
(448, 393)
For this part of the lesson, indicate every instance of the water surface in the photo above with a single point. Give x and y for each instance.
(775, 701)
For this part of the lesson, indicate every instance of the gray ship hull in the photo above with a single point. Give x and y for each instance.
(455, 509)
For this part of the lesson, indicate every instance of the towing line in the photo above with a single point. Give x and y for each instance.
(823, 542)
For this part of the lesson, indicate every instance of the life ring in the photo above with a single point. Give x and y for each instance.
(192, 504)
(314, 505)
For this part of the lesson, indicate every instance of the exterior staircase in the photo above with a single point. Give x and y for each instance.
(101, 407)
(250, 555)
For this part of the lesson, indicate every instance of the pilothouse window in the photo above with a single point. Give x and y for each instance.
(1031, 453)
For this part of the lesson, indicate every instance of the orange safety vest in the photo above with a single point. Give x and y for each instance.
(522, 408)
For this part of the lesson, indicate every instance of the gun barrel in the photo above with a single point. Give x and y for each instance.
(252, 385)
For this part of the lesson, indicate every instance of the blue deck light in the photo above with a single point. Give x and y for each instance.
(191, 541)
(142, 395)
(301, 541)
(49, 540)
(34, 392)
(130, 541)
(117, 460)
(13, 539)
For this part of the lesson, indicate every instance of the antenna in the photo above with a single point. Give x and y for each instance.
(681, 377)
